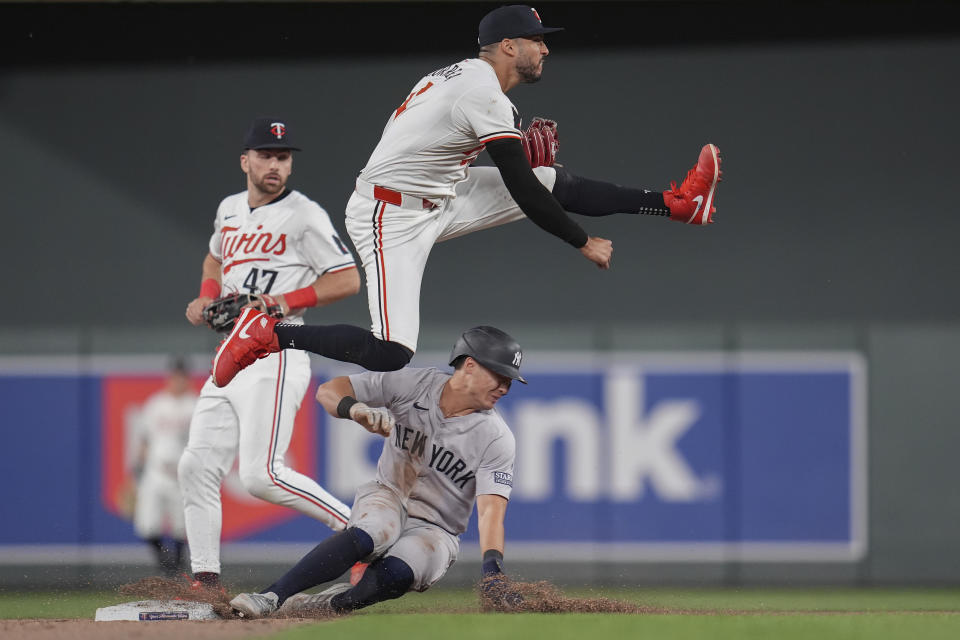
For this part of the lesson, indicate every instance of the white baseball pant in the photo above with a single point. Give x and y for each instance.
(394, 243)
(159, 508)
(251, 420)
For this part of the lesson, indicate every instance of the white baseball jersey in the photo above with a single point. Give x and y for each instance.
(438, 465)
(163, 428)
(425, 152)
(443, 125)
(165, 422)
(276, 248)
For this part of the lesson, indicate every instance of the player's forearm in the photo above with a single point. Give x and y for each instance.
(330, 393)
(210, 268)
(326, 289)
(331, 287)
(530, 195)
(209, 290)
(492, 537)
(491, 510)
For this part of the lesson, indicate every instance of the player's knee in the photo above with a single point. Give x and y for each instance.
(394, 577)
(256, 482)
(385, 579)
(362, 541)
(564, 186)
(548, 177)
(190, 470)
(392, 356)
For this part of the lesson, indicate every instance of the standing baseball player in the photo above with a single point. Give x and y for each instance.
(418, 188)
(446, 448)
(277, 243)
(161, 435)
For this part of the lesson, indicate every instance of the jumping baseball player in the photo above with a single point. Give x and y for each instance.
(275, 242)
(418, 188)
(446, 448)
(162, 434)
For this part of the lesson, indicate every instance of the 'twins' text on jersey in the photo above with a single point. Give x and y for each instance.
(276, 248)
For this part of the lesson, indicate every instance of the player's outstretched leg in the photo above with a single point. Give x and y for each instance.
(385, 579)
(327, 561)
(257, 335)
(692, 202)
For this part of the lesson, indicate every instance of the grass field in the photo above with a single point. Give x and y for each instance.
(820, 614)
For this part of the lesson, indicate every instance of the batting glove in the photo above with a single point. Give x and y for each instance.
(373, 419)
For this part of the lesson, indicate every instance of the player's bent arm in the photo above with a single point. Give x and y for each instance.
(209, 289)
(325, 290)
(336, 396)
(330, 393)
(529, 193)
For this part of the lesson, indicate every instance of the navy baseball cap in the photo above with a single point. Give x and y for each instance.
(512, 21)
(268, 133)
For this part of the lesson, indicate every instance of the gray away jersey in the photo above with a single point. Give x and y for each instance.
(438, 465)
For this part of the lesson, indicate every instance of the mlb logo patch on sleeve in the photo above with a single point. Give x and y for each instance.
(502, 477)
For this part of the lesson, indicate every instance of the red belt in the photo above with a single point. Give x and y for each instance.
(392, 197)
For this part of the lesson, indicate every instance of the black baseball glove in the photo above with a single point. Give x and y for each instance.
(221, 314)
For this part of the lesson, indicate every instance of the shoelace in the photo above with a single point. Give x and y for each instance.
(691, 181)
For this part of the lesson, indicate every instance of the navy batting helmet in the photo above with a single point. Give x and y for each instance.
(492, 348)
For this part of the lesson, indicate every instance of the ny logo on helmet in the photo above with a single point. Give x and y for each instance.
(278, 129)
(516, 358)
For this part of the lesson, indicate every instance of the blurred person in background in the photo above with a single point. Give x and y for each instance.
(159, 440)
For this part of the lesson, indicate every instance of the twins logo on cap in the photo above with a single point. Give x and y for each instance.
(511, 21)
(269, 133)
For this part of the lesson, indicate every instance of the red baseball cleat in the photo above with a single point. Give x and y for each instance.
(252, 338)
(692, 202)
(356, 572)
(203, 584)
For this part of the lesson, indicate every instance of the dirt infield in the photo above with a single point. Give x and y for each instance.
(505, 596)
(540, 597)
(181, 630)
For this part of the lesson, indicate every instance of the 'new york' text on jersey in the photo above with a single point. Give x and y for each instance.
(438, 465)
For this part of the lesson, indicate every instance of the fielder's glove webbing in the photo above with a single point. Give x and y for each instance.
(221, 314)
(541, 142)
